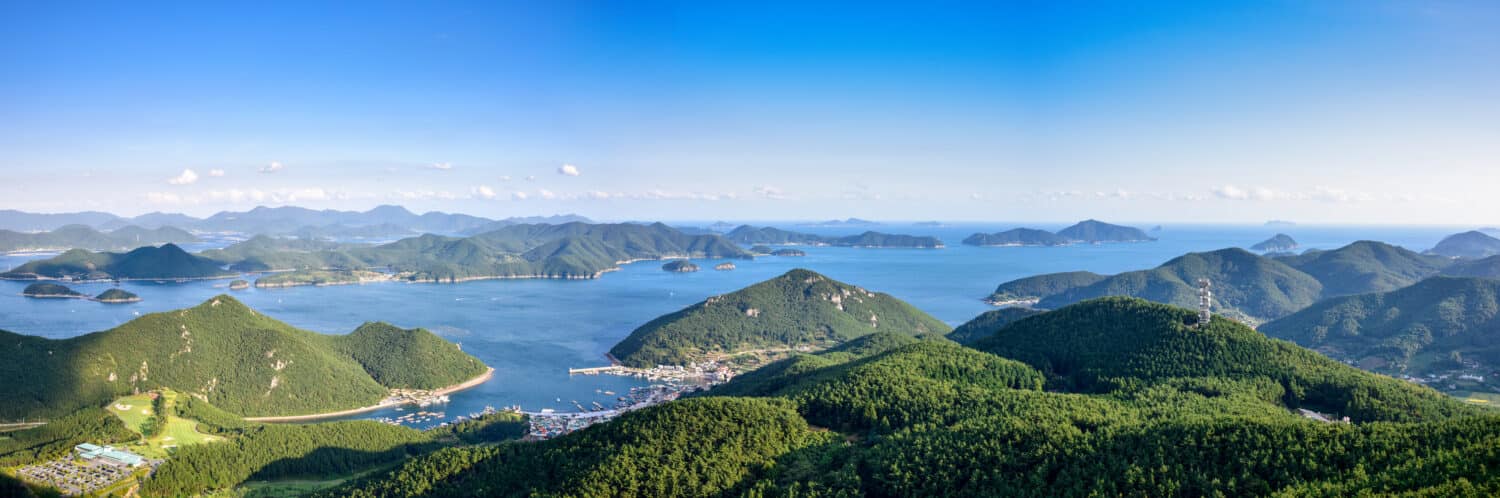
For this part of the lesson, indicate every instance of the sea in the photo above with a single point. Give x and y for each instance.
(532, 331)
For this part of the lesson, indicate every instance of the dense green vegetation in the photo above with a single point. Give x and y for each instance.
(117, 296)
(788, 252)
(405, 358)
(167, 262)
(680, 266)
(1430, 327)
(988, 323)
(83, 237)
(1098, 231)
(1246, 286)
(1017, 237)
(59, 435)
(1139, 404)
(799, 308)
(51, 290)
(751, 235)
(1486, 268)
(1471, 245)
(239, 360)
(1277, 243)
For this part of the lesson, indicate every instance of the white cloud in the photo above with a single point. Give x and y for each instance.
(216, 173)
(568, 170)
(272, 168)
(770, 192)
(531, 178)
(440, 166)
(599, 195)
(235, 196)
(546, 194)
(187, 177)
(425, 195)
(1231, 192)
(976, 196)
(484, 192)
(504, 178)
(520, 196)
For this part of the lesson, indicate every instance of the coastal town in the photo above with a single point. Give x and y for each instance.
(90, 468)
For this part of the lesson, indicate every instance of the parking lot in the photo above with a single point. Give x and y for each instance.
(74, 477)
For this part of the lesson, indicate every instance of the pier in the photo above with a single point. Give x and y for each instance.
(595, 370)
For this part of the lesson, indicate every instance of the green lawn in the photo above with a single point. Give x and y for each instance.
(135, 410)
(1479, 398)
(299, 487)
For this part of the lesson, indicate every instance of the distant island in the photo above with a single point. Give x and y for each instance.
(1278, 243)
(760, 249)
(1280, 223)
(566, 251)
(1473, 244)
(51, 291)
(680, 266)
(317, 278)
(753, 235)
(1087, 232)
(239, 285)
(46, 290)
(223, 352)
(1017, 237)
(788, 252)
(117, 296)
(167, 262)
(798, 309)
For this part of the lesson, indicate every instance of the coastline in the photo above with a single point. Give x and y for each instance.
(482, 378)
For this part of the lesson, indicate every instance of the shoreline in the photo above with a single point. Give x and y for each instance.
(482, 378)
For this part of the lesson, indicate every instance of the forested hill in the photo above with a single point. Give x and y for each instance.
(1181, 412)
(1473, 244)
(1435, 326)
(83, 237)
(752, 235)
(799, 308)
(1246, 286)
(571, 250)
(235, 358)
(151, 263)
(1098, 231)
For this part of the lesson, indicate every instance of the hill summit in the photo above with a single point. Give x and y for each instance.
(799, 308)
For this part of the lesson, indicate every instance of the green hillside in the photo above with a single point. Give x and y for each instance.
(799, 308)
(1435, 326)
(1485, 268)
(84, 237)
(147, 263)
(1277, 243)
(1245, 285)
(1366, 266)
(50, 290)
(987, 323)
(228, 354)
(896, 416)
(1017, 237)
(117, 296)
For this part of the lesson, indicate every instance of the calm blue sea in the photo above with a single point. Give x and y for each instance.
(532, 331)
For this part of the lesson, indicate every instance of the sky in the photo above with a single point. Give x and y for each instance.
(1363, 111)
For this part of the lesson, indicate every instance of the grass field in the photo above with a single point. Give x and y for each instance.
(1491, 400)
(136, 410)
(299, 487)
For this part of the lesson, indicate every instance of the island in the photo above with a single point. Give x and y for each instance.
(725, 266)
(84, 237)
(680, 266)
(753, 235)
(44, 290)
(851, 222)
(1095, 231)
(318, 278)
(239, 285)
(1473, 244)
(117, 296)
(168, 262)
(797, 310)
(788, 252)
(1278, 243)
(760, 250)
(1017, 237)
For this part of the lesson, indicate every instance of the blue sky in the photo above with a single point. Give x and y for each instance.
(1327, 111)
